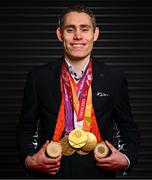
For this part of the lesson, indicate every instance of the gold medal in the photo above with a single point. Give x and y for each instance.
(67, 150)
(79, 151)
(101, 150)
(77, 138)
(54, 149)
(91, 142)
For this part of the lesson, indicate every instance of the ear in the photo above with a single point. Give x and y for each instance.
(96, 34)
(59, 34)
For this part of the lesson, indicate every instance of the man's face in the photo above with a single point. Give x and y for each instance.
(77, 35)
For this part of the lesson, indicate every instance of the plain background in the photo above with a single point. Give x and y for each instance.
(27, 39)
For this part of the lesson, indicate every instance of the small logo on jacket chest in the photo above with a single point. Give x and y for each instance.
(101, 94)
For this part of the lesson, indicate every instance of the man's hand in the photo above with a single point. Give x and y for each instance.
(40, 162)
(114, 162)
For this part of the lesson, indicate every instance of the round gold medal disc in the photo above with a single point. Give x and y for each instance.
(91, 143)
(77, 138)
(101, 150)
(54, 149)
(79, 151)
(67, 150)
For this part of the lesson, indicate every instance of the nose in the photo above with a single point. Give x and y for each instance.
(77, 34)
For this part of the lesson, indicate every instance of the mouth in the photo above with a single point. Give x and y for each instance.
(77, 45)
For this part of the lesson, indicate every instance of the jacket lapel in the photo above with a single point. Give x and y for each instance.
(55, 87)
(97, 82)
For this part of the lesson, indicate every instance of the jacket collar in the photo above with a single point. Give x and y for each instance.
(56, 71)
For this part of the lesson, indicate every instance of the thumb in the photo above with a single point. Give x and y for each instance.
(45, 146)
(111, 147)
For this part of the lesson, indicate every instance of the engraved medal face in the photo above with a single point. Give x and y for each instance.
(101, 150)
(54, 149)
(77, 138)
(67, 150)
(91, 142)
(79, 151)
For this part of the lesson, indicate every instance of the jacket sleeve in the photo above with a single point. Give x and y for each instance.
(128, 135)
(27, 128)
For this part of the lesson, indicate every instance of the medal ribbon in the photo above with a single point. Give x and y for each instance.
(90, 123)
(69, 89)
(60, 122)
(94, 126)
(68, 103)
(87, 117)
(84, 94)
(80, 95)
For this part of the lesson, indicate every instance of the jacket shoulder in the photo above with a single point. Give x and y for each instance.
(108, 71)
(42, 68)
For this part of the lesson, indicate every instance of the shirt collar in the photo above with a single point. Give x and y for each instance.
(76, 76)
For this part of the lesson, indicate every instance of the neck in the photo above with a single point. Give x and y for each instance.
(78, 65)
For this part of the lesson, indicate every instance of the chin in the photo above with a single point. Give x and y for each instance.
(77, 57)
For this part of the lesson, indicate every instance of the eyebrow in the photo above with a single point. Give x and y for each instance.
(74, 27)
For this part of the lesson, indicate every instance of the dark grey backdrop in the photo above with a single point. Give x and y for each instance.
(27, 38)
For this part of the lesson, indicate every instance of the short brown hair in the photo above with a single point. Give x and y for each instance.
(79, 9)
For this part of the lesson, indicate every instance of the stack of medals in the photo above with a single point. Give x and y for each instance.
(78, 141)
(83, 142)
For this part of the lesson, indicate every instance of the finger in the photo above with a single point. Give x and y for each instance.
(103, 160)
(111, 147)
(44, 146)
(54, 162)
(58, 159)
(103, 165)
(53, 171)
(53, 165)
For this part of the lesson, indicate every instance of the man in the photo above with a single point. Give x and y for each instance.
(50, 100)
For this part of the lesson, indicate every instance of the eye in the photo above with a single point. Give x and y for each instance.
(69, 30)
(85, 29)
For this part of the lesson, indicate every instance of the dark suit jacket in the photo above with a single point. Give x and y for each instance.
(42, 97)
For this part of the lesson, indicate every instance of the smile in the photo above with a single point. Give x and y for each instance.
(78, 45)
